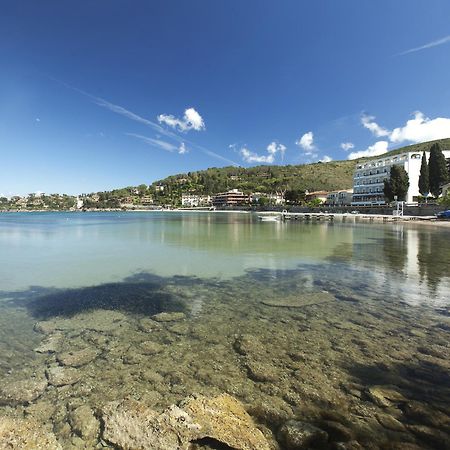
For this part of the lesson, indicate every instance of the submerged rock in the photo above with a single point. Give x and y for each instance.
(131, 425)
(259, 371)
(84, 423)
(62, 376)
(296, 435)
(22, 392)
(300, 300)
(169, 316)
(18, 434)
(77, 358)
(150, 348)
(51, 344)
(385, 396)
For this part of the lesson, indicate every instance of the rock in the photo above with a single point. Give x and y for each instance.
(337, 431)
(51, 344)
(389, 422)
(150, 348)
(148, 325)
(296, 435)
(44, 327)
(275, 412)
(418, 412)
(258, 371)
(131, 425)
(22, 392)
(300, 300)
(430, 435)
(18, 434)
(246, 345)
(385, 396)
(62, 376)
(169, 316)
(84, 423)
(180, 329)
(77, 358)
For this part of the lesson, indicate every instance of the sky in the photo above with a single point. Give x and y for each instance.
(102, 94)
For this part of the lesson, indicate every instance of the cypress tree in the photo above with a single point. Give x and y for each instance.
(398, 183)
(424, 179)
(437, 169)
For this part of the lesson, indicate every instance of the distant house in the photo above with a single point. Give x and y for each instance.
(319, 195)
(275, 199)
(159, 188)
(231, 198)
(148, 200)
(193, 200)
(340, 198)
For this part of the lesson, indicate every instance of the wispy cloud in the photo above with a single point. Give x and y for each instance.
(347, 146)
(167, 146)
(369, 123)
(377, 149)
(431, 44)
(117, 109)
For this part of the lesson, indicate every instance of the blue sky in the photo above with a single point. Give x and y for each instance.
(106, 93)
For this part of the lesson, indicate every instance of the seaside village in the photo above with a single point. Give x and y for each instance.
(368, 190)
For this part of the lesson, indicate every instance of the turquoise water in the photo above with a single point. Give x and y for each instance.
(333, 318)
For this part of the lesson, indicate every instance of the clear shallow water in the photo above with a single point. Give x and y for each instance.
(97, 279)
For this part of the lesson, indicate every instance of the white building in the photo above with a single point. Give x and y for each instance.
(193, 200)
(340, 198)
(369, 176)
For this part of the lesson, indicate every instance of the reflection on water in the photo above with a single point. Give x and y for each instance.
(343, 327)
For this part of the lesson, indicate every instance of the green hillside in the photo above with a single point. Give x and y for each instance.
(266, 179)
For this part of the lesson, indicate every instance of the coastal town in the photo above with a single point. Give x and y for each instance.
(370, 180)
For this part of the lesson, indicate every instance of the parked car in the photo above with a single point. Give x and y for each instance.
(443, 214)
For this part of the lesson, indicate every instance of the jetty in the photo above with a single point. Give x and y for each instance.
(324, 216)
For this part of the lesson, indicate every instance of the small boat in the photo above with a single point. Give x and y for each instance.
(269, 218)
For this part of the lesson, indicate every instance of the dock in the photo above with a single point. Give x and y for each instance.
(324, 216)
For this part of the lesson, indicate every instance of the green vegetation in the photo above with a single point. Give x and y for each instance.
(424, 178)
(397, 185)
(438, 171)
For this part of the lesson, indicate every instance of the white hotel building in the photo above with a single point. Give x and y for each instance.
(369, 176)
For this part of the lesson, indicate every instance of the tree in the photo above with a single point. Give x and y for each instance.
(424, 179)
(437, 168)
(397, 185)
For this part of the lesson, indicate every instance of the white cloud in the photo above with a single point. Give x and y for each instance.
(306, 142)
(272, 149)
(167, 146)
(182, 149)
(431, 44)
(191, 120)
(421, 129)
(37, 119)
(379, 148)
(347, 146)
(369, 123)
(326, 159)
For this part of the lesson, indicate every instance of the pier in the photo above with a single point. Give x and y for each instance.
(324, 216)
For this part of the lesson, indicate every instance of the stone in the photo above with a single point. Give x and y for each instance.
(19, 434)
(150, 348)
(77, 358)
(418, 412)
(296, 435)
(389, 422)
(21, 392)
(258, 371)
(385, 396)
(430, 435)
(147, 325)
(44, 327)
(300, 300)
(337, 431)
(248, 345)
(169, 316)
(62, 376)
(84, 423)
(51, 344)
(131, 425)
